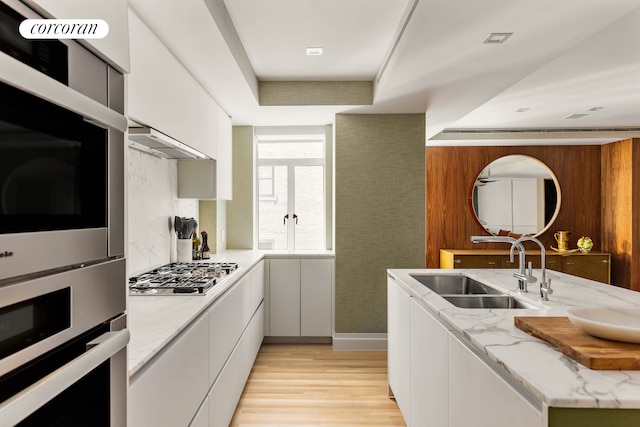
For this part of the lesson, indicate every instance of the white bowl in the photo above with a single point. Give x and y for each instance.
(612, 323)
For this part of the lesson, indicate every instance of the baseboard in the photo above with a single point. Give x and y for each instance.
(296, 340)
(359, 342)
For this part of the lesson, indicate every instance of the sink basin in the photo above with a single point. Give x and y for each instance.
(454, 285)
(487, 301)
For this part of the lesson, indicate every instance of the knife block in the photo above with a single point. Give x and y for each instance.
(184, 250)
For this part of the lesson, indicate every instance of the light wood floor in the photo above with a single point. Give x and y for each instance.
(311, 385)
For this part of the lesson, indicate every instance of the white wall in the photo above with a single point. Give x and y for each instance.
(152, 204)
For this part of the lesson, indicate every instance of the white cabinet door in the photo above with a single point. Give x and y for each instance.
(197, 179)
(163, 94)
(226, 391)
(316, 278)
(169, 390)
(399, 348)
(236, 324)
(478, 396)
(202, 416)
(284, 297)
(226, 323)
(429, 369)
(257, 285)
(224, 156)
(300, 297)
(114, 48)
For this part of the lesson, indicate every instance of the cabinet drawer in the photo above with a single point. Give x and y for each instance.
(594, 267)
(554, 262)
(477, 261)
(168, 390)
(533, 259)
(227, 319)
(479, 396)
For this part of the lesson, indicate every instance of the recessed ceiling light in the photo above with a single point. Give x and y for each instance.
(595, 109)
(575, 116)
(497, 38)
(522, 110)
(314, 51)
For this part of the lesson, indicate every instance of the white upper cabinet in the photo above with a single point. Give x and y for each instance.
(114, 48)
(163, 94)
(209, 179)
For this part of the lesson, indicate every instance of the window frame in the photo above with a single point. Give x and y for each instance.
(291, 163)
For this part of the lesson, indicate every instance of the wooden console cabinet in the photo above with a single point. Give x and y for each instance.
(593, 265)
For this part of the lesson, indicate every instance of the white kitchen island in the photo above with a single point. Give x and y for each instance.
(486, 371)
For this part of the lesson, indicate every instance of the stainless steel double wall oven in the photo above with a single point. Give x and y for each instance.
(63, 332)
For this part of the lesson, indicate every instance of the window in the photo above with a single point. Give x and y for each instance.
(265, 183)
(291, 191)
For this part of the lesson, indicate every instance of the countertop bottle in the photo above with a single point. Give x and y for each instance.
(196, 245)
(206, 252)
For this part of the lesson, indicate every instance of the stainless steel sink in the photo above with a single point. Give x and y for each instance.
(455, 285)
(488, 301)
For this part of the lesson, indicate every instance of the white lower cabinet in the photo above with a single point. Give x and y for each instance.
(227, 319)
(256, 279)
(429, 369)
(202, 416)
(398, 342)
(226, 391)
(198, 379)
(300, 297)
(168, 390)
(479, 396)
(316, 278)
(284, 297)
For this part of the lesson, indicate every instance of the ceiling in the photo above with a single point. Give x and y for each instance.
(574, 58)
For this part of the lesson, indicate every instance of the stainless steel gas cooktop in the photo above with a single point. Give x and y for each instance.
(181, 278)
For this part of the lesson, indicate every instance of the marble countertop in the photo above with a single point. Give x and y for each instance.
(154, 321)
(542, 370)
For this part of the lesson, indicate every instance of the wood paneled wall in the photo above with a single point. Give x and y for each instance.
(450, 171)
(620, 170)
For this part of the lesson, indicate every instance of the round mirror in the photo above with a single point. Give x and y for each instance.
(515, 195)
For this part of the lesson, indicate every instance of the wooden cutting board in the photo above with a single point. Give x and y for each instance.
(592, 352)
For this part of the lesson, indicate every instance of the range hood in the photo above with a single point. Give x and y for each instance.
(163, 145)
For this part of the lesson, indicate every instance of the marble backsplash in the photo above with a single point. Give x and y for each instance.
(152, 203)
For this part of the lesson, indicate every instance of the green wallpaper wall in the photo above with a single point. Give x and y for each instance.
(240, 209)
(379, 212)
(329, 186)
(209, 222)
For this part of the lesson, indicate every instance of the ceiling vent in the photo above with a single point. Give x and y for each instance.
(315, 51)
(497, 38)
(542, 130)
(575, 116)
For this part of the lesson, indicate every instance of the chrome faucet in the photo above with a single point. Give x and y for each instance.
(545, 285)
(522, 276)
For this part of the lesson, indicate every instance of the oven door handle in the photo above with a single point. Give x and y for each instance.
(23, 404)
